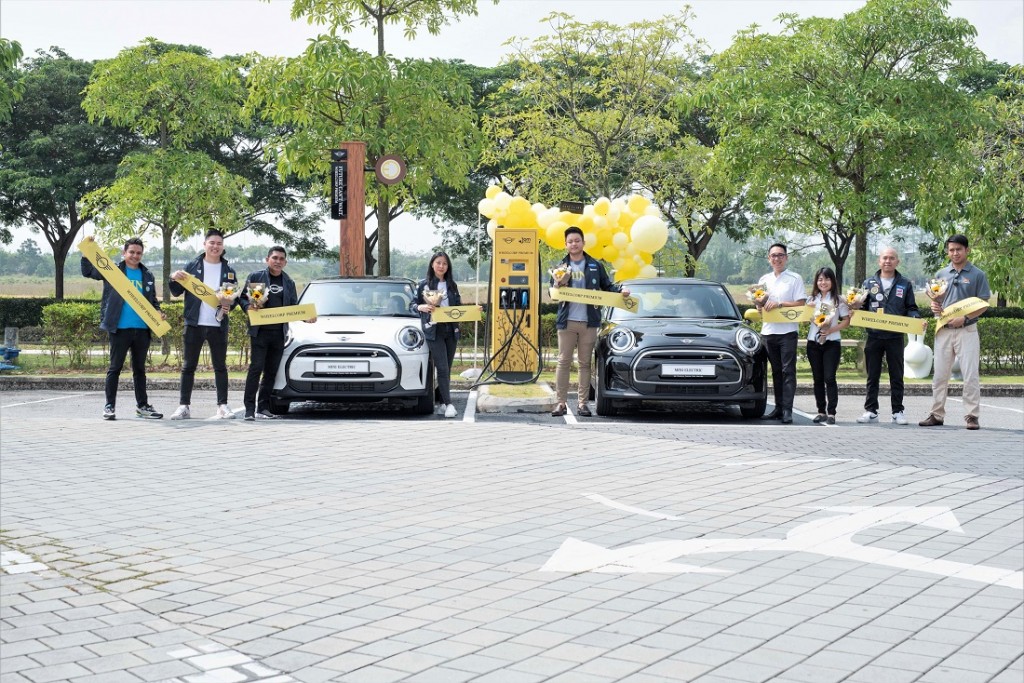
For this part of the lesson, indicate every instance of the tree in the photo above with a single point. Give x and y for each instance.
(838, 118)
(10, 88)
(175, 96)
(332, 93)
(378, 15)
(52, 156)
(984, 198)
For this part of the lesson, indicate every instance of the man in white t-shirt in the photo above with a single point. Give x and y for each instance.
(784, 288)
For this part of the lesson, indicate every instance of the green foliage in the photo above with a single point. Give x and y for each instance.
(332, 92)
(411, 14)
(1001, 349)
(831, 123)
(10, 88)
(28, 311)
(70, 327)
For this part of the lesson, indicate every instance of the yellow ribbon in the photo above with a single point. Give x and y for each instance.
(963, 307)
(282, 314)
(788, 314)
(123, 286)
(455, 314)
(889, 323)
(199, 288)
(594, 297)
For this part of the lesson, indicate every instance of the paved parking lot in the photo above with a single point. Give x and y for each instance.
(366, 545)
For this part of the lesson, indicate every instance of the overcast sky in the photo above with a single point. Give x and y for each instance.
(98, 29)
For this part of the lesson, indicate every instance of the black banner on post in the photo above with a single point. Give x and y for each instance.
(339, 184)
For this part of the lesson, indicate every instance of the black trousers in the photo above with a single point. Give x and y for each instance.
(217, 338)
(137, 341)
(781, 350)
(824, 360)
(442, 350)
(267, 349)
(874, 350)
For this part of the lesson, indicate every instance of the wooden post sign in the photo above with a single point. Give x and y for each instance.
(348, 205)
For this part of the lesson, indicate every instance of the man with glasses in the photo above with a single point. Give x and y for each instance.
(959, 337)
(783, 288)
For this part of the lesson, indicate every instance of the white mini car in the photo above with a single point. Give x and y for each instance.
(366, 345)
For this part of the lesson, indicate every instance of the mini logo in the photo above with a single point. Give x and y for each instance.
(455, 313)
(790, 314)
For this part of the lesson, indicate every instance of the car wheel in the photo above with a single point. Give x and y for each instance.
(601, 401)
(279, 407)
(425, 403)
(755, 411)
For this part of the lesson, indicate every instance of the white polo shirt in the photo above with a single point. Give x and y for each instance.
(787, 286)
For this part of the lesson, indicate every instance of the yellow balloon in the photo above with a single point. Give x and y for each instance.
(609, 253)
(649, 233)
(519, 205)
(555, 235)
(601, 206)
(628, 270)
(645, 257)
(492, 191)
(638, 203)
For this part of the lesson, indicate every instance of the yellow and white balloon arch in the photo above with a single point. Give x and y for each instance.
(626, 232)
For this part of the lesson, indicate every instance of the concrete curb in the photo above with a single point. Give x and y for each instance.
(486, 403)
(237, 383)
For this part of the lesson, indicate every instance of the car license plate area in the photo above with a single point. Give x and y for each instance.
(687, 370)
(341, 367)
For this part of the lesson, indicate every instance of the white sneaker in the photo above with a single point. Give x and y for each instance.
(450, 411)
(899, 418)
(182, 413)
(224, 412)
(868, 416)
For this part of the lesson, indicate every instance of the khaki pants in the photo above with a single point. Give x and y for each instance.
(962, 343)
(576, 336)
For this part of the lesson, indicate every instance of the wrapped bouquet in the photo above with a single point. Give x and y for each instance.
(824, 314)
(936, 288)
(756, 293)
(432, 297)
(561, 273)
(257, 292)
(227, 291)
(855, 297)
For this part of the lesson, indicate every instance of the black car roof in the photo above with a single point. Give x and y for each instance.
(676, 281)
(364, 279)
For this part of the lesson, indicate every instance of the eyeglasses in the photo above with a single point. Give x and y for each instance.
(777, 255)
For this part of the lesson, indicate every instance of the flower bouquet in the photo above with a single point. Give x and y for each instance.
(936, 289)
(757, 293)
(561, 274)
(824, 314)
(257, 292)
(432, 297)
(227, 291)
(855, 297)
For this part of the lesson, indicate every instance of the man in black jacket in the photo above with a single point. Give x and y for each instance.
(278, 289)
(127, 330)
(202, 323)
(892, 294)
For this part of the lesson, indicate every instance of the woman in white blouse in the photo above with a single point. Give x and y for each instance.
(823, 347)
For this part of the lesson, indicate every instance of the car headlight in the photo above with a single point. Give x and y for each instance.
(748, 340)
(621, 339)
(410, 338)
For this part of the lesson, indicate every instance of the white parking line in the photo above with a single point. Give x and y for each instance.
(987, 405)
(44, 400)
(470, 414)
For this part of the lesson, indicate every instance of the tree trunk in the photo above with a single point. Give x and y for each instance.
(860, 262)
(383, 238)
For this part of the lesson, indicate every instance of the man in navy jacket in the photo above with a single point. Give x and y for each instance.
(127, 330)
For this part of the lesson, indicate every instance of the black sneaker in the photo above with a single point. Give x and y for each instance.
(250, 417)
(265, 415)
(109, 413)
(148, 413)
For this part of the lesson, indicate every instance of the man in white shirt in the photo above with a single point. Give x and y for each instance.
(784, 288)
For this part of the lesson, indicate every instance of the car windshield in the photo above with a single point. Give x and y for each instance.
(360, 298)
(668, 300)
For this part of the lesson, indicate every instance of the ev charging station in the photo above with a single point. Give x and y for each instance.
(515, 306)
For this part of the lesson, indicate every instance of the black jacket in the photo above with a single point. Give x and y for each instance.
(595, 277)
(192, 302)
(290, 296)
(454, 299)
(112, 303)
(899, 301)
